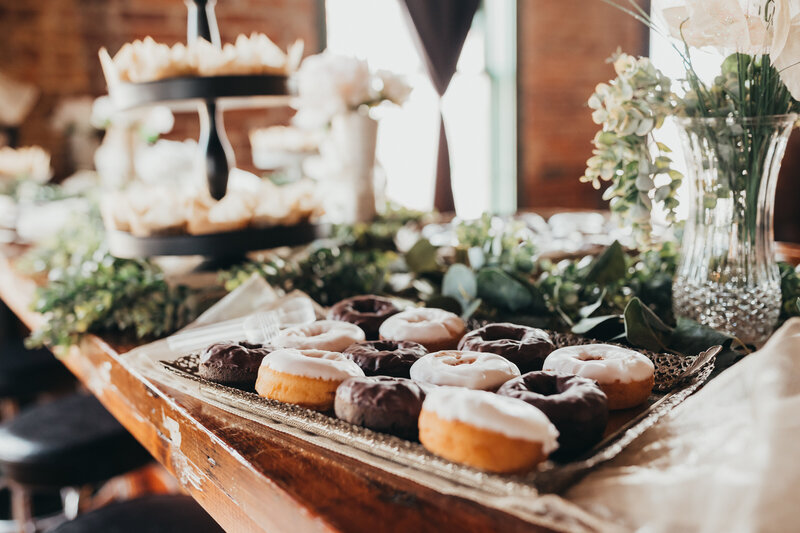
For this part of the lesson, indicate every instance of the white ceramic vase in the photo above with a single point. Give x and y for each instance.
(350, 152)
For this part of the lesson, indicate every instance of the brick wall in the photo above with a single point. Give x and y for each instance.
(54, 44)
(562, 50)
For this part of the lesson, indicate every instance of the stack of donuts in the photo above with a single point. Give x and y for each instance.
(500, 398)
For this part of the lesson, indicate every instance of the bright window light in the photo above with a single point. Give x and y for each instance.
(377, 31)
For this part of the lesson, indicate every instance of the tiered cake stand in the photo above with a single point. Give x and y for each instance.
(209, 95)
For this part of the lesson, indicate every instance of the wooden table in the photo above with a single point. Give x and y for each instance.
(252, 478)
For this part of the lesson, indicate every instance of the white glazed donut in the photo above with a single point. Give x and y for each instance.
(330, 335)
(604, 363)
(485, 430)
(304, 377)
(625, 376)
(436, 329)
(471, 370)
(315, 364)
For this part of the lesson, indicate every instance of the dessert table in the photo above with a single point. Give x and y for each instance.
(252, 478)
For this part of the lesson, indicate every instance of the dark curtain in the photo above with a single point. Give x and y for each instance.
(441, 27)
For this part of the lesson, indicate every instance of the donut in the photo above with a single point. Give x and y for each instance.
(327, 335)
(525, 347)
(231, 363)
(382, 403)
(472, 370)
(625, 376)
(485, 430)
(575, 405)
(308, 378)
(435, 329)
(385, 358)
(367, 312)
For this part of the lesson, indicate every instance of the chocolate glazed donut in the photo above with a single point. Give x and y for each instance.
(231, 363)
(385, 358)
(574, 404)
(525, 347)
(382, 403)
(367, 312)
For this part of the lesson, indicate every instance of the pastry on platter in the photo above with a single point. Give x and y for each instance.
(147, 60)
(232, 212)
(286, 205)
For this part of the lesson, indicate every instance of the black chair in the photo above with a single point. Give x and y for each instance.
(71, 443)
(26, 374)
(151, 514)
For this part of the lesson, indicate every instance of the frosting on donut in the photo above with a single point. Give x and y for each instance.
(524, 346)
(316, 364)
(486, 410)
(423, 325)
(605, 363)
(367, 312)
(473, 370)
(385, 358)
(382, 403)
(332, 335)
(574, 404)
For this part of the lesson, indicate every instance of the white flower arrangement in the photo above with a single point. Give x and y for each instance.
(328, 84)
(760, 78)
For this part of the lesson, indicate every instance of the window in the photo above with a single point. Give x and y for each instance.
(377, 31)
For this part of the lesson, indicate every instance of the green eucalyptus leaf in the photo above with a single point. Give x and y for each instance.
(797, 304)
(459, 282)
(691, 338)
(644, 329)
(600, 327)
(470, 309)
(422, 257)
(501, 290)
(444, 302)
(588, 310)
(609, 266)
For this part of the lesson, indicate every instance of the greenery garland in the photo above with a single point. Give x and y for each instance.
(490, 273)
(90, 291)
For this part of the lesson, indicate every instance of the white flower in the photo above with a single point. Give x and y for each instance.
(753, 27)
(788, 61)
(395, 89)
(329, 84)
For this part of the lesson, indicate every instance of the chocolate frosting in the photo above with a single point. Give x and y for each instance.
(524, 346)
(384, 357)
(381, 403)
(574, 404)
(232, 363)
(367, 312)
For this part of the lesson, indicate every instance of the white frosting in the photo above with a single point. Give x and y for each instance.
(486, 410)
(332, 335)
(422, 325)
(602, 362)
(473, 370)
(316, 364)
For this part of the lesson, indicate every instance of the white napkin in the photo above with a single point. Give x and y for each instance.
(724, 460)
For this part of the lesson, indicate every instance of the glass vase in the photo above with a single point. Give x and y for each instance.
(727, 277)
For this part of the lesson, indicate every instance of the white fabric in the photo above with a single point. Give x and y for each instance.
(727, 459)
